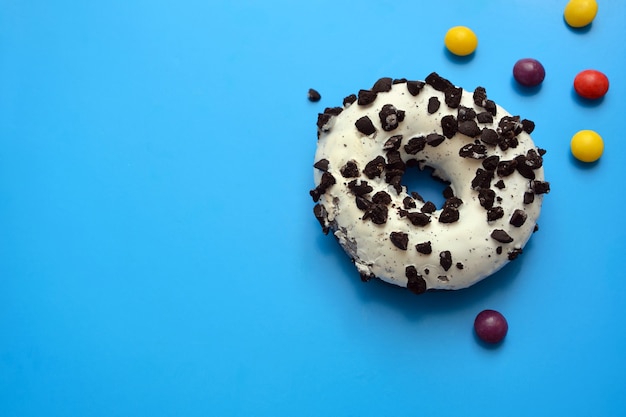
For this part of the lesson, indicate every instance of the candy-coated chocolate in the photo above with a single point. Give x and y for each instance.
(529, 72)
(587, 146)
(461, 40)
(591, 84)
(580, 13)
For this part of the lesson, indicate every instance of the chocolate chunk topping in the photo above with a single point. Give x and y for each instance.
(437, 82)
(326, 182)
(399, 239)
(528, 126)
(424, 248)
(506, 168)
(529, 198)
(323, 120)
(501, 236)
(350, 170)
(449, 215)
(382, 197)
(314, 95)
(322, 216)
(393, 143)
(399, 81)
(349, 100)
(434, 139)
(429, 207)
(414, 87)
(433, 105)
(390, 117)
(322, 164)
(490, 106)
(510, 126)
(449, 126)
(533, 159)
(540, 187)
(382, 85)
(480, 96)
(377, 213)
(499, 184)
(525, 170)
(465, 114)
(452, 96)
(415, 282)
(491, 163)
(486, 197)
(514, 253)
(445, 260)
(366, 277)
(459, 265)
(490, 137)
(415, 145)
(473, 150)
(417, 196)
(469, 128)
(453, 202)
(333, 111)
(482, 179)
(499, 250)
(366, 97)
(536, 228)
(359, 187)
(365, 126)
(418, 219)
(484, 117)
(518, 218)
(448, 193)
(408, 203)
(541, 152)
(363, 203)
(375, 167)
(495, 213)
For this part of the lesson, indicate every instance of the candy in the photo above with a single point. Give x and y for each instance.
(490, 326)
(580, 13)
(529, 72)
(591, 84)
(587, 146)
(460, 40)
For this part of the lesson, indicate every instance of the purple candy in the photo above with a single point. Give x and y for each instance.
(490, 326)
(529, 72)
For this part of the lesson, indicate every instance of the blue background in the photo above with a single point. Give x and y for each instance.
(158, 251)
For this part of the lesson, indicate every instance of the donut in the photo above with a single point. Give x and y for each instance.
(492, 203)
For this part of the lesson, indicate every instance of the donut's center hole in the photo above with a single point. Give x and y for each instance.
(423, 183)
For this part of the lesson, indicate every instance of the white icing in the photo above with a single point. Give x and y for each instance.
(467, 239)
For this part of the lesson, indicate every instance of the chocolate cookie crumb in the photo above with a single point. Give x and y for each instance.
(501, 236)
(540, 187)
(445, 260)
(473, 150)
(382, 197)
(491, 163)
(449, 126)
(323, 121)
(480, 96)
(409, 203)
(415, 145)
(495, 213)
(365, 126)
(529, 198)
(326, 182)
(433, 105)
(322, 164)
(449, 215)
(349, 100)
(314, 95)
(375, 167)
(424, 248)
(486, 197)
(382, 85)
(434, 139)
(459, 265)
(429, 207)
(393, 143)
(322, 217)
(465, 114)
(482, 179)
(360, 188)
(437, 82)
(506, 168)
(418, 219)
(499, 250)
(484, 117)
(514, 253)
(469, 128)
(490, 137)
(415, 282)
(518, 218)
(452, 96)
(350, 170)
(399, 239)
(414, 87)
(390, 117)
(528, 126)
(500, 184)
(366, 97)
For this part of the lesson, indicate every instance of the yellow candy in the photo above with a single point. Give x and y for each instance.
(587, 146)
(461, 41)
(579, 13)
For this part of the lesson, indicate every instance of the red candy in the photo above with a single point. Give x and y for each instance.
(491, 326)
(591, 84)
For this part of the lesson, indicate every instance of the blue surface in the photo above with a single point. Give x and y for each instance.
(158, 252)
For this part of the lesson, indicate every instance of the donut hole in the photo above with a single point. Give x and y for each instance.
(425, 184)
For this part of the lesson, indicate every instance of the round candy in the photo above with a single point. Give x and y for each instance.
(587, 146)
(580, 13)
(461, 41)
(529, 72)
(490, 326)
(591, 84)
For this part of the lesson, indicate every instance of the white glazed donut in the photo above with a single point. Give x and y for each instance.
(488, 157)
